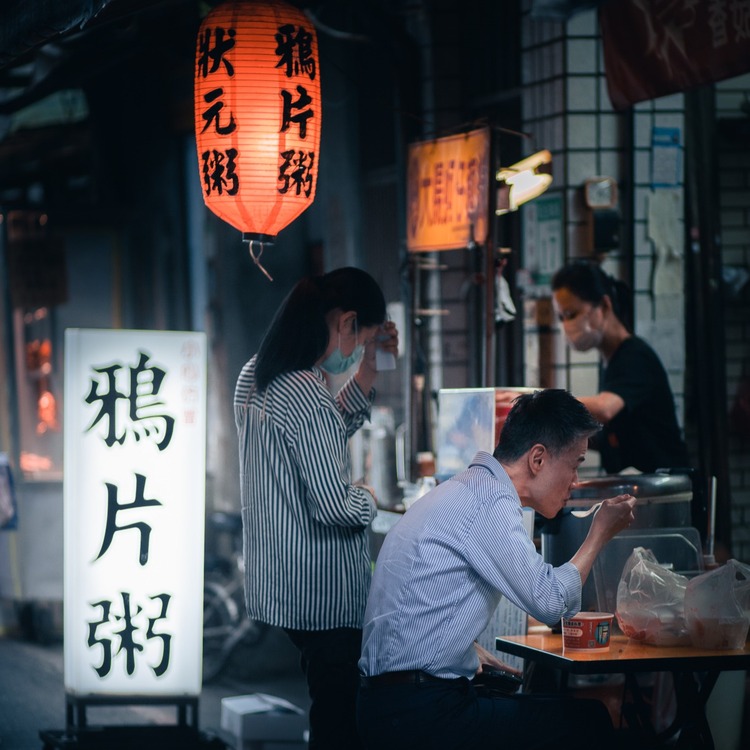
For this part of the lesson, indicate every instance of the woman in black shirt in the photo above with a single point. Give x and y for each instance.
(635, 403)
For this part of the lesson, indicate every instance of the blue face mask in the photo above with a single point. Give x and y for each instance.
(336, 363)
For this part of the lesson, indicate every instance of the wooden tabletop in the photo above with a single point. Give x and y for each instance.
(623, 655)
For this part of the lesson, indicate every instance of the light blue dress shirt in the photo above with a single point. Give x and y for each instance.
(442, 569)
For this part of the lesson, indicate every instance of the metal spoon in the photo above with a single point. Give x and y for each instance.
(588, 512)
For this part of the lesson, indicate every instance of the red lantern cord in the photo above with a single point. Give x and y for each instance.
(262, 240)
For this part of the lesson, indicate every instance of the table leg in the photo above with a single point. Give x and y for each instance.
(638, 713)
(692, 692)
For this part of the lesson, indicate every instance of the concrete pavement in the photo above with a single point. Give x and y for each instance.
(32, 693)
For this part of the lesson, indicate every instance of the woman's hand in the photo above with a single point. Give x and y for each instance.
(386, 340)
(361, 483)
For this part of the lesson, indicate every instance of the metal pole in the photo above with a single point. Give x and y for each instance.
(708, 354)
(10, 394)
(489, 313)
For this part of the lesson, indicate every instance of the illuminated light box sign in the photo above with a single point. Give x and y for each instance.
(447, 192)
(134, 497)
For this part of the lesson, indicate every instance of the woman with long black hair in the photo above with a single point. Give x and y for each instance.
(307, 561)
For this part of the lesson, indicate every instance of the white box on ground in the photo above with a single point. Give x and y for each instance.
(260, 718)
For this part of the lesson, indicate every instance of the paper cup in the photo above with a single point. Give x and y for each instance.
(587, 631)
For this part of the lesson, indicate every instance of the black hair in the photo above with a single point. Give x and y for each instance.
(590, 283)
(298, 334)
(553, 417)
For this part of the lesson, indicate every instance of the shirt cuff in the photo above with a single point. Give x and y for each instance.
(570, 579)
(353, 398)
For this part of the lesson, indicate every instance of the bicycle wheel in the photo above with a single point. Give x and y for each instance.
(248, 633)
(221, 618)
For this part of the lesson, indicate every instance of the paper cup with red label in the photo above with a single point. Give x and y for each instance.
(587, 631)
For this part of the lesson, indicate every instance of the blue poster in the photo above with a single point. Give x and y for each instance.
(666, 157)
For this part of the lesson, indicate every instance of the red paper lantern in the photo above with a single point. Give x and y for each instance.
(257, 115)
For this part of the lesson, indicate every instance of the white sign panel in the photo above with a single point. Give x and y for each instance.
(134, 495)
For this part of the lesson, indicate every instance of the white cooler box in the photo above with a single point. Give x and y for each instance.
(264, 722)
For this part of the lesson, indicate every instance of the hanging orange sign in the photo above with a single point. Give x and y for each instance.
(257, 114)
(448, 192)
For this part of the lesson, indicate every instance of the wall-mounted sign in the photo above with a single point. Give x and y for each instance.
(448, 192)
(543, 238)
(134, 495)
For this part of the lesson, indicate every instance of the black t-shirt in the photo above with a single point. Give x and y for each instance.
(645, 434)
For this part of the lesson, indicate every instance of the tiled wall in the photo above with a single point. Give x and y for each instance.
(659, 315)
(567, 109)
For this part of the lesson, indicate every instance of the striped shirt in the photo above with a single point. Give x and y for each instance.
(442, 569)
(307, 561)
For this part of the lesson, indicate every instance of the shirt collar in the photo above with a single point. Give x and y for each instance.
(489, 462)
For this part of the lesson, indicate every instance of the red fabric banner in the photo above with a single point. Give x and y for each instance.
(658, 47)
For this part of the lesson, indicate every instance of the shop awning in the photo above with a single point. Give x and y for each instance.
(657, 47)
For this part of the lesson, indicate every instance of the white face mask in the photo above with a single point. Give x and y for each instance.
(581, 335)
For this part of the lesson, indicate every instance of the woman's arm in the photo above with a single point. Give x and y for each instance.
(320, 450)
(605, 406)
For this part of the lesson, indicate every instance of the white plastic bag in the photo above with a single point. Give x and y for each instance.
(650, 601)
(717, 607)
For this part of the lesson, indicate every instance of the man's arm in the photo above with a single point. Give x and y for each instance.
(614, 515)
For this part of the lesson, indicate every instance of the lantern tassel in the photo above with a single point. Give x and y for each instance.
(251, 242)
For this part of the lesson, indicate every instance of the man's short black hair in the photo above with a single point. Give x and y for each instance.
(552, 417)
